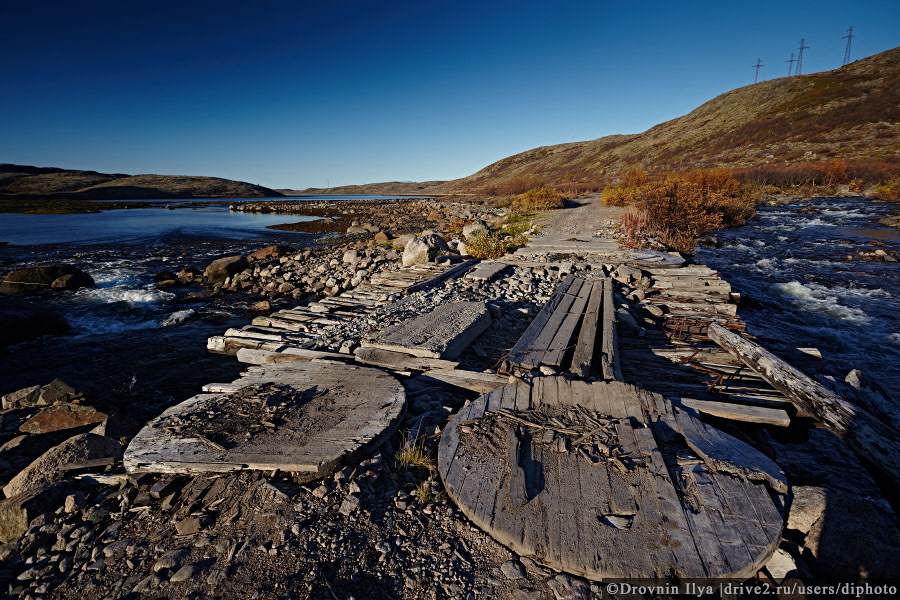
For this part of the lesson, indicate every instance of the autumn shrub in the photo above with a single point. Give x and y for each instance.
(889, 190)
(535, 200)
(678, 207)
(487, 246)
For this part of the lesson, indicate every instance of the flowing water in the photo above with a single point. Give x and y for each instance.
(804, 283)
(133, 344)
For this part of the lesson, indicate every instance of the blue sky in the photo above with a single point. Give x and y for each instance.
(297, 94)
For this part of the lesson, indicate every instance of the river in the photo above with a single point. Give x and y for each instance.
(800, 289)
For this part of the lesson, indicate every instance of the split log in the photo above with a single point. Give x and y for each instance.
(867, 436)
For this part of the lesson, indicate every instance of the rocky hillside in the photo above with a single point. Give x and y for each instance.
(850, 112)
(36, 182)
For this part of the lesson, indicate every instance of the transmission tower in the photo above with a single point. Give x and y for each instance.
(791, 66)
(849, 38)
(757, 66)
(800, 58)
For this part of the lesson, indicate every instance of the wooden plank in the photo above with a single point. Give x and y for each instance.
(583, 356)
(871, 439)
(266, 357)
(470, 380)
(740, 412)
(562, 341)
(526, 342)
(543, 342)
(369, 401)
(440, 277)
(607, 341)
(400, 360)
(722, 452)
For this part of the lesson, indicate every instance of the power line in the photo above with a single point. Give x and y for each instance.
(849, 37)
(800, 58)
(757, 66)
(791, 66)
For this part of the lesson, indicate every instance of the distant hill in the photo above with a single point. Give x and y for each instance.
(850, 112)
(402, 188)
(20, 181)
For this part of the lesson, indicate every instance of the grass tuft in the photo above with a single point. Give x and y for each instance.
(413, 456)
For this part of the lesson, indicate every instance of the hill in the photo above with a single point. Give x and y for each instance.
(402, 188)
(850, 112)
(47, 183)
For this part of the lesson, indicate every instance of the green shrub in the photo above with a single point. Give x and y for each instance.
(889, 190)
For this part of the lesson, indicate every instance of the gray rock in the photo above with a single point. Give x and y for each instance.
(86, 449)
(807, 507)
(512, 570)
(424, 249)
(186, 572)
(474, 230)
(780, 565)
(566, 587)
(351, 257)
(219, 270)
(21, 398)
(35, 279)
(350, 505)
(626, 323)
(171, 559)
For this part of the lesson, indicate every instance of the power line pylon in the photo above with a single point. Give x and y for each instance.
(849, 37)
(800, 58)
(791, 66)
(757, 66)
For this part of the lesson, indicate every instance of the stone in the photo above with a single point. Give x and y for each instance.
(35, 279)
(512, 570)
(626, 274)
(62, 415)
(566, 587)
(351, 257)
(56, 391)
(357, 229)
(184, 573)
(807, 506)
(780, 565)
(381, 237)
(443, 333)
(189, 273)
(626, 323)
(263, 306)
(21, 398)
(164, 276)
(171, 559)
(222, 268)
(424, 249)
(75, 502)
(349, 506)
(188, 525)
(400, 242)
(18, 511)
(273, 251)
(474, 230)
(321, 491)
(80, 451)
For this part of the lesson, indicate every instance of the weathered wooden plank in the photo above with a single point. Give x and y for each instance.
(607, 340)
(871, 439)
(542, 343)
(400, 360)
(562, 341)
(470, 380)
(583, 356)
(740, 412)
(722, 452)
(526, 342)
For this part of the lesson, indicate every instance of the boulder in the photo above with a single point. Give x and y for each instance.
(351, 257)
(35, 279)
(17, 512)
(21, 321)
(21, 398)
(357, 229)
(165, 276)
(263, 306)
(381, 237)
(81, 451)
(62, 416)
(424, 249)
(400, 242)
(189, 273)
(475, 229)
(273, 251)
(56, 391)
(219, 270)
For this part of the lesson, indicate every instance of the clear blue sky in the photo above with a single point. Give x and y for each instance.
(297, 94)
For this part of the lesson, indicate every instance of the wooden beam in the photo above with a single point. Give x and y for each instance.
(740, 412)
(583, 356)
(870, 438)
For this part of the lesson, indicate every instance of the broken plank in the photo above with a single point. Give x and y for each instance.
(870, 438)
(740, 412)
(583, 356)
